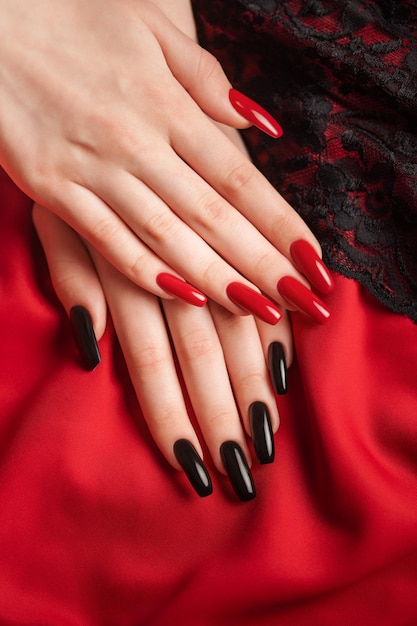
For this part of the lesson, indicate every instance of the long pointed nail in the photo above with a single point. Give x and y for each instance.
(238, 471)
(250, 300)
(84, 336)
(312, 266)
(193, 466)
(181, 289)
(277, 367)
(262, 435)
(255, 114)
(301, 297)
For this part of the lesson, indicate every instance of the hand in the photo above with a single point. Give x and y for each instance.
(223, 359)
(105, 121)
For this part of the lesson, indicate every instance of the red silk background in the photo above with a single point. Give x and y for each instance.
(97, 529)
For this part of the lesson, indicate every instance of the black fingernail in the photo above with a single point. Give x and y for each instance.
(237, 469)
(193, 466)
(262, 435)
(277, 367)
(84, 336)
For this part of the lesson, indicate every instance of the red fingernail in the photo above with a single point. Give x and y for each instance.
(251, 111)
(304, 299)
(253, 302)
(310, 264)
(179, 288)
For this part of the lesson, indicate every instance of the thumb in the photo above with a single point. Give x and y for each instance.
(201, 74)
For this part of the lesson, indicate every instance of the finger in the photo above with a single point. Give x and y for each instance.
(235, 179)
(244, 246)
(205, 373)
(278, 352)
(202, 75)
(107, 232)
(177, 242)
(170, 237)
(75, 282)
(209, 214)
(238, 181)
(246, 364)
(145, 343)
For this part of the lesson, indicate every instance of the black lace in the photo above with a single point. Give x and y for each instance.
(341, 77)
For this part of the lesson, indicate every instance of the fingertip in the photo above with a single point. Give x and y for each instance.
(218, 457)
(96, 306)
(237, 465)
(80, 287)
(84, 336)
(190, 461)
(73, 275)
(256, 115)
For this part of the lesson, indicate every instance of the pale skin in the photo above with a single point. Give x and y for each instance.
(93, 172)
(222, 356)
(106, 119)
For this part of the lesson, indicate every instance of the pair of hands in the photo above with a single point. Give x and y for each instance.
(223, 357)
(108, 120)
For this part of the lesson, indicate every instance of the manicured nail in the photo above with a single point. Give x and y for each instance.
(84, 336)
(262, 435)
(251, 111)
(193, 466)
(302, 298)
(311, 265)
(238, 471)
(181, 289)
(277, 367)
(250, 300)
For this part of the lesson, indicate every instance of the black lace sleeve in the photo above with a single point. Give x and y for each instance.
(341, 78)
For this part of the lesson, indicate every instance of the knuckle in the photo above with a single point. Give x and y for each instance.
(64, 276)
(212, 211)
(238, 177)
(208, 66)
(141, 268)
(197, 344)
(106, 231)
(252, 380)
(210, 273)
(146, 360)
(42, 180)
(280, 224)
(89, 130)
(160, 227)
(263, 263)
(167, 418)
(221, 418)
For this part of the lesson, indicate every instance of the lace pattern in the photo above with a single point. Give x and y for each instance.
(341, 77)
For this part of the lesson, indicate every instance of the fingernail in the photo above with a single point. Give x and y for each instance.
(262, 435)
(253, 302)
(181, 289)
(84, 336)
(311, 265)
(238, 471)
(251, 111)
(277, 367)
(301, 297)
(193, 466)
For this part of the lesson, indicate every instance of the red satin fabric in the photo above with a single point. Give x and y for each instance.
(96, 528)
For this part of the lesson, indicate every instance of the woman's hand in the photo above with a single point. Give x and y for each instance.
(223, 360)
(104, 119)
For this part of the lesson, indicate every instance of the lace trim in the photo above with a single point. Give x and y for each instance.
(341, 77)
